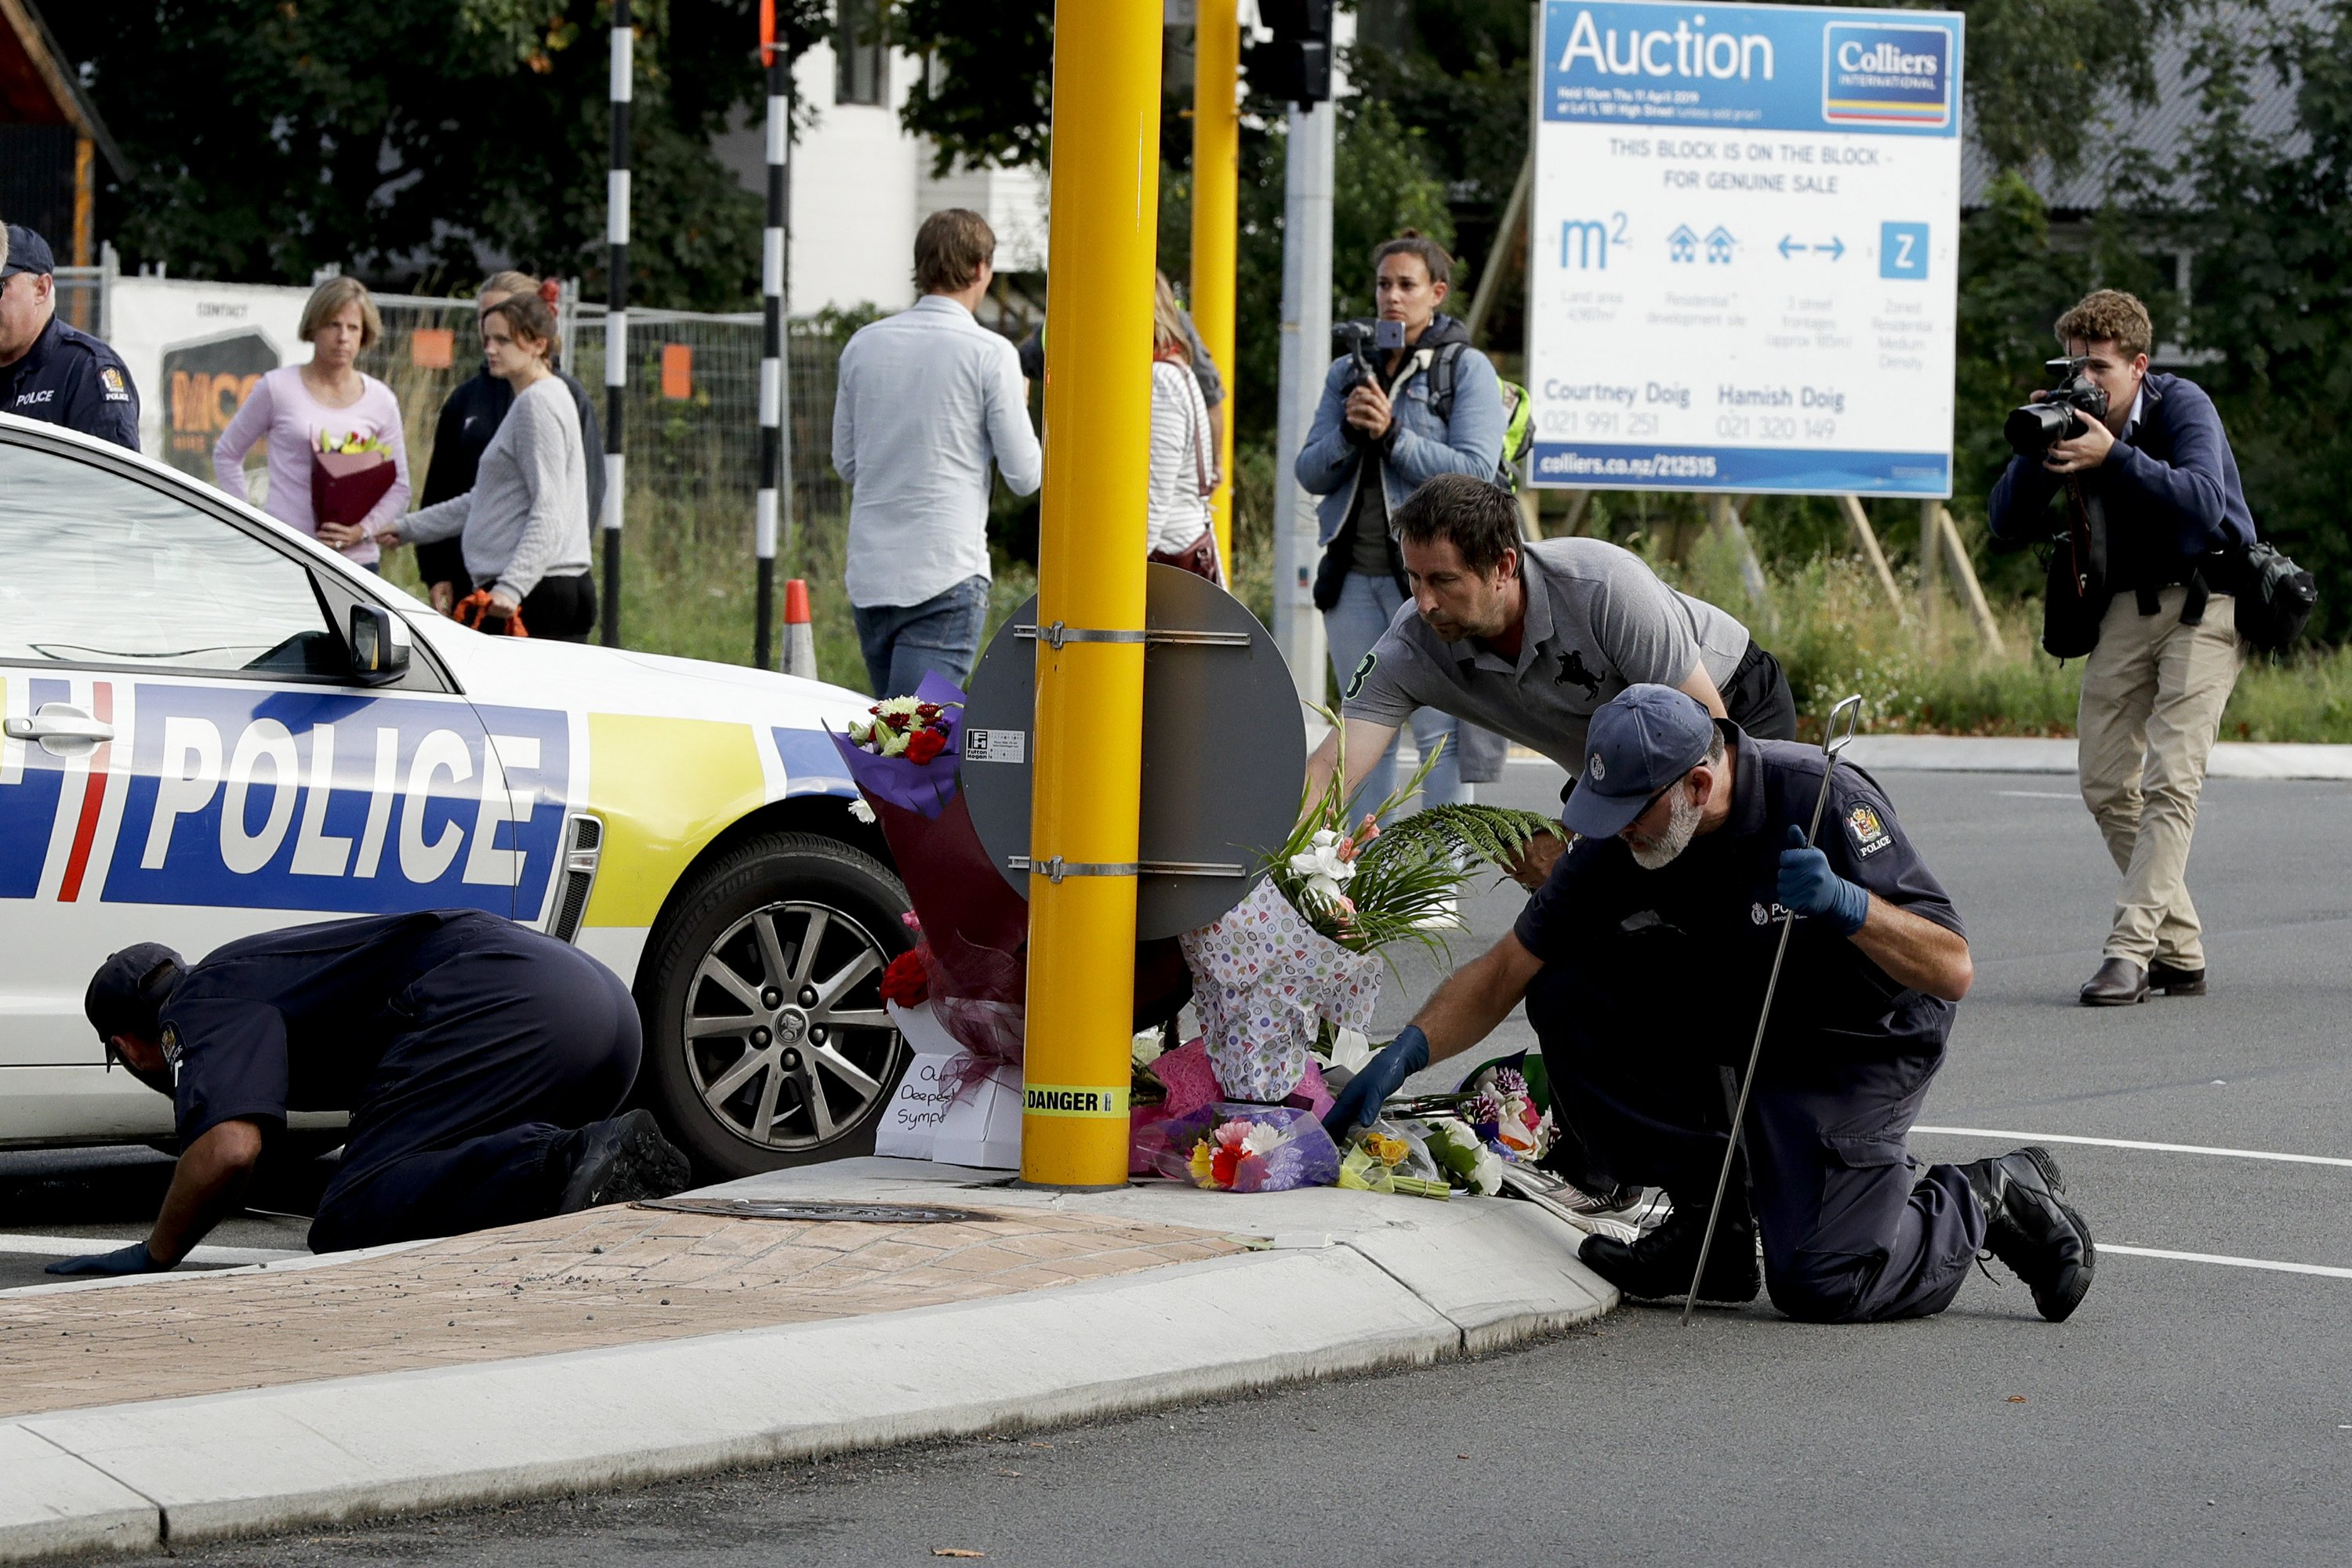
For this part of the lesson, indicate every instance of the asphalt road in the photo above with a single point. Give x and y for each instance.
(2192, 1411)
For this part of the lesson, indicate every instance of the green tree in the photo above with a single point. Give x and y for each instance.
(405, 139)
(2268, 222)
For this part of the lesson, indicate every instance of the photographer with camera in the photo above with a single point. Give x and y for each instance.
(2142, 585)
(1407, 399)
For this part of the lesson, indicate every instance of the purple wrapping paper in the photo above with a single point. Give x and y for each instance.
(923, 787)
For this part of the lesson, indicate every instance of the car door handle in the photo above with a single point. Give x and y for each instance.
(59, 721)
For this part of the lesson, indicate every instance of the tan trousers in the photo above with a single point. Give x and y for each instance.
(2153, 692)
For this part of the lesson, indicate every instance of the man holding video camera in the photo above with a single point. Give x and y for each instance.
(2154, 524)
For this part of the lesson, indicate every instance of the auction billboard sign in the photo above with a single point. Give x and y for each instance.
(1743, 273)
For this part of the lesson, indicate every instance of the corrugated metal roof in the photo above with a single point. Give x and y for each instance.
(2164, 128)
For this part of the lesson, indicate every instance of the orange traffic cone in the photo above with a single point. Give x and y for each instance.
(800, 638)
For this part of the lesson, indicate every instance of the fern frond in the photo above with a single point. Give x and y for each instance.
(1494, 834)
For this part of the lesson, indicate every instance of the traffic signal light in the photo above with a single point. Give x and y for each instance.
(1296, 65)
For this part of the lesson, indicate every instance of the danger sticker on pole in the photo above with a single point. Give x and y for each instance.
(1066, 1100)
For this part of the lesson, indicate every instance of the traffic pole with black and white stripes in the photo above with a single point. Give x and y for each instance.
(774, 503)
(616, 316)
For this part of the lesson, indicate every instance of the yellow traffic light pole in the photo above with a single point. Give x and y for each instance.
(1088, 768)
(1216, 174)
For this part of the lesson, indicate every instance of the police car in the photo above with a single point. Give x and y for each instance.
(214, 726)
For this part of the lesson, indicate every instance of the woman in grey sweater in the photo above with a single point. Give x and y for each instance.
(523, 526)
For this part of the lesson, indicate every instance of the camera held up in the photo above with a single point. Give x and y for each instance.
(2061, 415)
(1359, 340)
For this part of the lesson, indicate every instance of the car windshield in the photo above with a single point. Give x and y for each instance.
(99, 568)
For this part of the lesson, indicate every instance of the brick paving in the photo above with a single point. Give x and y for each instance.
(606, 1276)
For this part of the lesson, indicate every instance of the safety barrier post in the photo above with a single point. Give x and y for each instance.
(771, 341)
(616, 316)
(1216, 183)
(1088, 765)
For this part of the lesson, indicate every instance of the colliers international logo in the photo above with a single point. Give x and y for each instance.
(1874, 74)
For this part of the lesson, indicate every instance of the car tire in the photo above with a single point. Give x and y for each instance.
(733, 1048)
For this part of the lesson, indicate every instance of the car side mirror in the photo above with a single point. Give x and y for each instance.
(380, 645)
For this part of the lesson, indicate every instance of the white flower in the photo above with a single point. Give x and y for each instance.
(906, 705)
(860, 810)
(1145, 1049)
(1260, 1139)
(1486, 1178)
(894, 742)
(1325, 875)
(1350, 1049)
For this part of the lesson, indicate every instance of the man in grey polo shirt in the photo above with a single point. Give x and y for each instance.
(1529, 641)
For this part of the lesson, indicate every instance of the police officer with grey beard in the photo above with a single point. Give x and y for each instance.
(1643, 961)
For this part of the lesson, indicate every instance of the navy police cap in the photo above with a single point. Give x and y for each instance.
(1641, 740)
(28, 252)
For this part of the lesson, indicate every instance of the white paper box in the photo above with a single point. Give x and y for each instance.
(980, 1128)
(983, 1124)
(915, 1112)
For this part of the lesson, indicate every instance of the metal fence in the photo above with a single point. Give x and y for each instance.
(693, 407)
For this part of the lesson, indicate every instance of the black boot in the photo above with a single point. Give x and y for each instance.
(623, 1161)
(2028, 1227)
(1659, 1266)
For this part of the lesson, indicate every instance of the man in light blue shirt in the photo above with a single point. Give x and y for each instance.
(927, 400)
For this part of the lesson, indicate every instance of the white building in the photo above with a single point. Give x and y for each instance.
(861, 185)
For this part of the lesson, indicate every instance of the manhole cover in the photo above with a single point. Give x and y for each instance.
(808, 1209)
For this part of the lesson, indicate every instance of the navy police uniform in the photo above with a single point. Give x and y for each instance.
(1639, 1047)
(69, 377)
(464, 1047)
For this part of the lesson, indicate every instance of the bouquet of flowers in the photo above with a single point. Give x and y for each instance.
(1466, 1161)
(971, 960)
(348, 474)
(1248, 1149)
(1504, 1110)
(1387, 1158)
(1293, 971)
(907, 727)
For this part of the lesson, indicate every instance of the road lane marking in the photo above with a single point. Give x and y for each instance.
(2037, 795)
(85, 1245)
(2228, 1262)
(2135, 1143)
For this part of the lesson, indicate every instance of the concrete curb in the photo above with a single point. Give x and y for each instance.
(2017, 754)
(1361, 1283)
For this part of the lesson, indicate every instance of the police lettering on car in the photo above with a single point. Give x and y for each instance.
(49, 370)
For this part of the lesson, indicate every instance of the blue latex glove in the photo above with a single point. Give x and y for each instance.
(1809, 886)
(1358, 1104)
(133, 1260)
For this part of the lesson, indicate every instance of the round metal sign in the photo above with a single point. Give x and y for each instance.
(1225, 750)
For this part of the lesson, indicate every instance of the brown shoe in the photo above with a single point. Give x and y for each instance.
(2118, 983)
(2174, 981)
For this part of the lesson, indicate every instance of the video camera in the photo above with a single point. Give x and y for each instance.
(1356, 340)
(2061, 415)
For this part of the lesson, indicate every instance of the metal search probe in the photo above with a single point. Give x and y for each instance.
(1832, 744)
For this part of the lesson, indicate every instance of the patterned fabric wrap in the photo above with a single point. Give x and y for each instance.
(1263, 981)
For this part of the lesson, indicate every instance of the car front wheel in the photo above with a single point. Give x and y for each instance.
(767, 1045)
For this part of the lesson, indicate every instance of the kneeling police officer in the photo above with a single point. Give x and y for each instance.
(481, 1063)
(1642, 959)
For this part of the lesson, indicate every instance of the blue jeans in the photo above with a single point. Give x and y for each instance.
(900, 642)
(1367, 602)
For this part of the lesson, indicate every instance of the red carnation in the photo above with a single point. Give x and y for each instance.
(924, 744)
(907, 982)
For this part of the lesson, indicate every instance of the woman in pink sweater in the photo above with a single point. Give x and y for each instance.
(324, 406)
